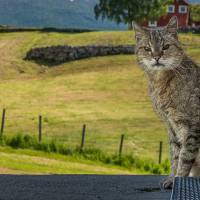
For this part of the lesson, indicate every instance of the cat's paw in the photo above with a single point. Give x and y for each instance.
(166, 183)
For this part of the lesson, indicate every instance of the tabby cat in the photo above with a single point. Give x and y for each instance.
(174, 88)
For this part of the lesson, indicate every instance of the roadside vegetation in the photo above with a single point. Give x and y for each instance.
(26, 161)
(109, 94)
(129, 162)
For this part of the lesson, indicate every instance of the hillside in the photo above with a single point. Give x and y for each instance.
(109, 94)
(50, 13)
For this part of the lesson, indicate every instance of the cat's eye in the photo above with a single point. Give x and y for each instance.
(147, 49)
(165, 47)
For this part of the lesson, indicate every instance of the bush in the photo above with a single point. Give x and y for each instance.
(20, 141)
(157, 169)
(54, 145)
(129, 161)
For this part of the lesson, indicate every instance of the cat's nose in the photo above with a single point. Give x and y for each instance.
(156, 58)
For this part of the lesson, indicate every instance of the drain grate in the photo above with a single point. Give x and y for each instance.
(186, 188)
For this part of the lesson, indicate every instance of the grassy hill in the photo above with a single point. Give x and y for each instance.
(109, 94)
(49, 13)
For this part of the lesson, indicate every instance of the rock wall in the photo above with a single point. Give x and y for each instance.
(64, 53)
(195, 30)
(6, 29)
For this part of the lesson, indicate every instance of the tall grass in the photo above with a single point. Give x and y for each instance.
(128, 161)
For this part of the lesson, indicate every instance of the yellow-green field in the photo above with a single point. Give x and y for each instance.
(38, 162)
(109, 94)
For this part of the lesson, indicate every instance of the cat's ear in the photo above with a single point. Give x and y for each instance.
(172, 27)
(140, 32)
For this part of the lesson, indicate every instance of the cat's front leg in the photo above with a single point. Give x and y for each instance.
(174, 150)
(174, 158)
(188, 154)
(187, 157)
(189, 147)
(190, 143)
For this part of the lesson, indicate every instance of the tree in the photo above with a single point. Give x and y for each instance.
(195, 12)
(126, 11)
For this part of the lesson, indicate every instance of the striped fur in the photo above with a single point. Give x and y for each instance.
(174, 87)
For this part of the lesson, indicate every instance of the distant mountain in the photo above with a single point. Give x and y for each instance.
(53, 13)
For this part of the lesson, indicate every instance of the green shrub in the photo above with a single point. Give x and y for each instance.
(129, 161)
(157, 169)
(147, 167)
(108, 160)
(54, 145)
(166, 166)
(2, 141)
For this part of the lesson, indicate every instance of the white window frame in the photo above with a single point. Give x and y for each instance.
(181, 7)
(153, 25)
(173, 6)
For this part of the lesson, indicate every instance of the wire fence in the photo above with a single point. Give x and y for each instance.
(82, 136)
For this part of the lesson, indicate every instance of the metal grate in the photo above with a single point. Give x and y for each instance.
(186, 188)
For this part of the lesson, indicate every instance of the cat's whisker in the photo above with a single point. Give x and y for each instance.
(175, 72)
(185, 71)
(188, 67)
(147, 69)
(142, 65)
(178, 69)
(182, 70)
(174, 87)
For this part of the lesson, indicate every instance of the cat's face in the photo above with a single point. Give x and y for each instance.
(158, 49)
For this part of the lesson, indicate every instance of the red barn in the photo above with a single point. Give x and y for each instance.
(180, 8)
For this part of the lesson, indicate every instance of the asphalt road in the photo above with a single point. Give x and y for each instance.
(82, 187)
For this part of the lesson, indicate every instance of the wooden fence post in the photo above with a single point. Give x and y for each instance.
(3, 119)
(121, 144)
(83, 136)
(40, 128)
(160, 152)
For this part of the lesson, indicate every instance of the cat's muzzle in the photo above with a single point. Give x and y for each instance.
(158, 65)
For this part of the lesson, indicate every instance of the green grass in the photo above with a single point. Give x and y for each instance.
(109, 94)
(26, 161)
(129, 161)
(111, 98)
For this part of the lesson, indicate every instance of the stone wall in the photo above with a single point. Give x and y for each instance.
(6, 29)
(195, 30)
(64, 53)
